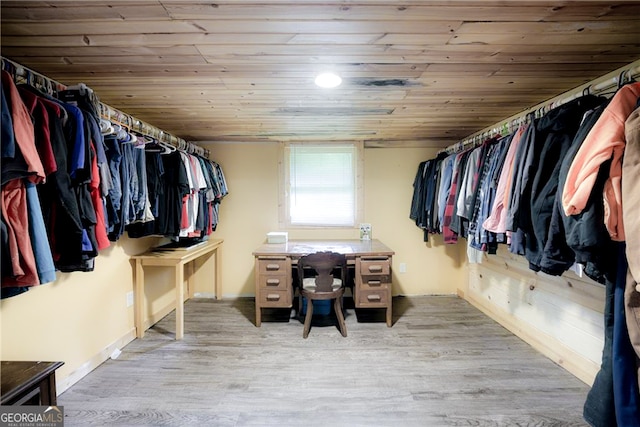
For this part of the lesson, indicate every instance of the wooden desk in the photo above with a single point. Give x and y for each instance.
(28, 383)
(178, 259)
(371, 259)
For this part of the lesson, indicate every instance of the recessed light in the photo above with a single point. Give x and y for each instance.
(328, 80)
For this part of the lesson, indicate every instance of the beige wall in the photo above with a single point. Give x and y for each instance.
(82, 317)
(75, 319)
(251, 210)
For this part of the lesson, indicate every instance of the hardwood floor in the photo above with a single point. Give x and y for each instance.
(443, 363)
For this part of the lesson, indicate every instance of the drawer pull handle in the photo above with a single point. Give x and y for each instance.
(374, 297)
(273, 297)
(273, 267)
(375, 268)
(374, 282)
(273, 282)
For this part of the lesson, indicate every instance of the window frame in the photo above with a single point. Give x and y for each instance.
(284, 214)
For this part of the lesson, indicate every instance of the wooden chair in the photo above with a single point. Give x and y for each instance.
(322, 286)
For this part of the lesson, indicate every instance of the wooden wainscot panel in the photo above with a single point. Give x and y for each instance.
(562, 317)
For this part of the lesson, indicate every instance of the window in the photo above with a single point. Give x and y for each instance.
(321, 185)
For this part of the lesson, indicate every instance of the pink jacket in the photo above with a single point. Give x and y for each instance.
(605, 141)
(497, 220)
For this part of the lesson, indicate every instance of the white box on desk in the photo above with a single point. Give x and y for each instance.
(277, 237)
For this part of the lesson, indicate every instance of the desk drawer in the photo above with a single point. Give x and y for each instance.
(271, 266)
(273, 281)
(375, 282)
(373, 298)
(379, 266)
(275, 298)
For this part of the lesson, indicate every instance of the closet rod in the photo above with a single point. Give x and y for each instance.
(599, 85)
(113, 114)
(107, 112)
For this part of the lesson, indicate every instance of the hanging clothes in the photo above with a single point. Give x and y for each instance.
(582, 238)
(417, 200)
(599, 406)
(89, 137)
(125, 192)
(41, 249)
(479, 238)
(554, 134)
(114, 201)
(451, 220)
(23, 270)
(467, 189)
(71, 183)
(220, 190)
(496, 221)
(40, 119)
(176, 186)
(58, 200)
(24, 166)
(26, 162)
(630, 209)
(446, 172)
(604, 142)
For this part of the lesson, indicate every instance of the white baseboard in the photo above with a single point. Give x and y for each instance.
(208, 295)
(62, 384)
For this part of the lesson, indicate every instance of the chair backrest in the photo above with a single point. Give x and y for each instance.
(323, 263)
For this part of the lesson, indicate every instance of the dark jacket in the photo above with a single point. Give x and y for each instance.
(57, 195)
(576, 234)
(554, 134)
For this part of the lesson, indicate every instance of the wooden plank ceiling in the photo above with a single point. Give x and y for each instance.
(415, 72)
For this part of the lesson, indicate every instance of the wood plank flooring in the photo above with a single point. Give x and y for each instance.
(443, 363)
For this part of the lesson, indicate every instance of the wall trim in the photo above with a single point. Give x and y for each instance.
(63, 384)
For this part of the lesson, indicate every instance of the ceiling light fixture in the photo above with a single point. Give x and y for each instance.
(328, 80)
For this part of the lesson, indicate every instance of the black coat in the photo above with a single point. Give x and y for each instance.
(581, 238)
(555, 133)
